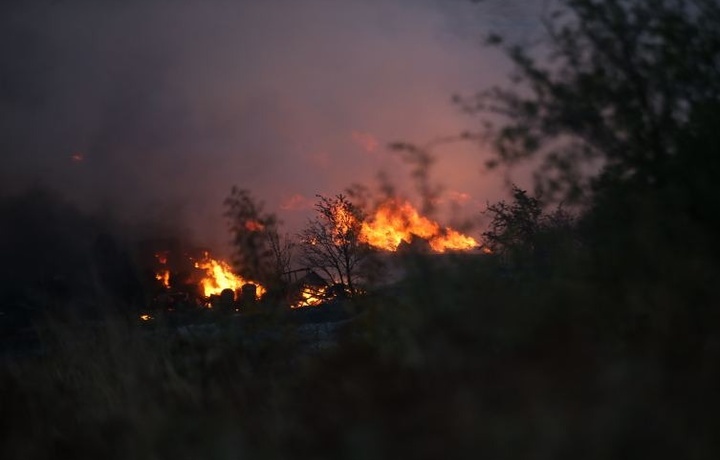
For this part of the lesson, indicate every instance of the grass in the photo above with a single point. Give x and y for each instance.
(457, 362)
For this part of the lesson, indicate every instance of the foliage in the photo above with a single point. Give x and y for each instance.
(616, 90)
(261, 253)
(521, 232)
(331, 242)
(515, 224)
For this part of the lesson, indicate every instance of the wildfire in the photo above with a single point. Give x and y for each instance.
(219, 276)
(164, 277)
(310, 297)
(397, 221)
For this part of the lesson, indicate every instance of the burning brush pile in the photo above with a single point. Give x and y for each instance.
(192, 281)
(197, 281)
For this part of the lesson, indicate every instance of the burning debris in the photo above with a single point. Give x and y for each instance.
(196, 281)
(164, 277)
(310, 290)
(219, 277)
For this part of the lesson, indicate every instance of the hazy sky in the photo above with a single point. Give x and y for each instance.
(157, 108)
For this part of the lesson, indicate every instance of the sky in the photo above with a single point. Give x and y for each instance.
(152, 110)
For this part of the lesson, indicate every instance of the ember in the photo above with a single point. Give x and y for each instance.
(164, 277)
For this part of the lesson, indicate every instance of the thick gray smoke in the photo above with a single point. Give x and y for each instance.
(153, 109)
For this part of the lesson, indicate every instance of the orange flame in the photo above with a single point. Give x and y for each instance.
(219, 276)
(254, 226)
(164, 277)
(397, 221)
(310, 297)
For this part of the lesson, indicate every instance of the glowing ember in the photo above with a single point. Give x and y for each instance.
(396, 221)
(219, 276)
(164, 277)
(254, 226)
(146, 317)
(310, 297)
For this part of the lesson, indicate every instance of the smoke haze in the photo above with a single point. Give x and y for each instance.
(152, 110)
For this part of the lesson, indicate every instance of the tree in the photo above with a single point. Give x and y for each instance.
(621, 105)
(331, 244)
(514, 225)
(620, 85)
(260, 253)
(522, 231)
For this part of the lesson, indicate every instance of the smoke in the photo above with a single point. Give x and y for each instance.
(152, 110)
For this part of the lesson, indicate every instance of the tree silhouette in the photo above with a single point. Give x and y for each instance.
(620, 87)
(260, 252)
(521, 231)
(330, 243)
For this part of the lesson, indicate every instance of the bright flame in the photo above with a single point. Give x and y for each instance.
(396, 221)
(164, 277)
(146, 317)
(219, 276)
(310, 297)
(345, 221)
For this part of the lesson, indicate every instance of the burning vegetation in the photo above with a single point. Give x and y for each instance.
(396, 221)
(196, 279)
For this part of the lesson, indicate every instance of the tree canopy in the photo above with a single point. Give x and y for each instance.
(609, 95)
(331, 242)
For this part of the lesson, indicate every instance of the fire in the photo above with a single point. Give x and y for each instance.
(254, 226)
(397, 221)
(164, 277)
(310, 297)
(219, 276)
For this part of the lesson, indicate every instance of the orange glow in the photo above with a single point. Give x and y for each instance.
(164, 277)
(345, 222)
(219, 276)
(146, 317)
(254, 226)
(310, 297)
(396, 221)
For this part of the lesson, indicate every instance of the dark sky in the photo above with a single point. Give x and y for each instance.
(155, 108)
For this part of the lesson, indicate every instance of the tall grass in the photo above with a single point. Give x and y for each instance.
(462, 359)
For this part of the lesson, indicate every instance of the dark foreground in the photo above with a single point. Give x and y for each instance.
(441, 367)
